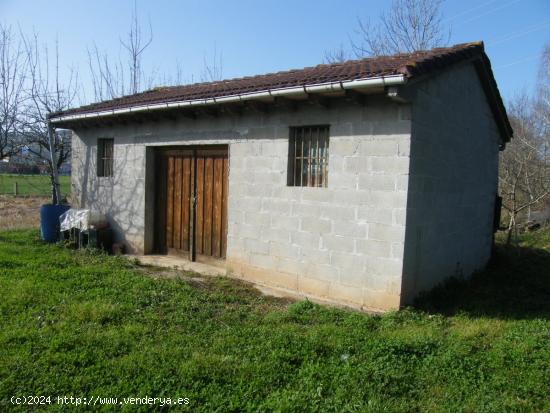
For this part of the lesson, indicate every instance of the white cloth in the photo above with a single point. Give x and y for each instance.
(82, 219)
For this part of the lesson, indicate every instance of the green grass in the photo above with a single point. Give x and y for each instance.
(32, 185)
(535, 239)
(84, 324)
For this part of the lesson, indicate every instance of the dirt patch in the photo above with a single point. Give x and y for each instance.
(211, 284)
(164, 272)
(20, 212)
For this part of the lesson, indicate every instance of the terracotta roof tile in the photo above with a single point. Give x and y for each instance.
(408, 64)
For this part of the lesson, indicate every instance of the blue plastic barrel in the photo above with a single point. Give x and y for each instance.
(49, 221)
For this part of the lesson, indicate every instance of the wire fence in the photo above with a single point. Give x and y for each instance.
(32, 185)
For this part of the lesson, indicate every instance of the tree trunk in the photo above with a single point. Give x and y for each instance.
(56, 198)
(511, 226)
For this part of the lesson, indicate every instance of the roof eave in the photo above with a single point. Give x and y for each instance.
(364, 83)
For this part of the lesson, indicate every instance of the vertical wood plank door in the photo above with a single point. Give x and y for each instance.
(194, 215)
(211, 203)
(178, 202)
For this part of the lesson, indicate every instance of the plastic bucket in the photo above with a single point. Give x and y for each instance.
(49, 221)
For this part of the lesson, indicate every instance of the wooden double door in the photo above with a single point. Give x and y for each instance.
(192, 202)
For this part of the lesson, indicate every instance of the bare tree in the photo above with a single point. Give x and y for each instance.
(409, 25)
(13, 67)
(135, 44)
(176, 77)
(107, 75)
(124, 75)
(213, 67)
(524, 171)
(337, 55)
(47, 94)
(542, 99)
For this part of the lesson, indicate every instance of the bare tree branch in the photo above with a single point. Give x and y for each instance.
(47, 94)
(13, 71)
(213, 69)
(112, 78)
(337, 55)
(409, 25)
(135, 44)
(524, 170)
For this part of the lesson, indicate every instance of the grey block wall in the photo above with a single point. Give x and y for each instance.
(410, 197)
(452, 181)
(342, 244)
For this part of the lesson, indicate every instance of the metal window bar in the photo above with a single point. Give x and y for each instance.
(105, 149)
(325, 154)
(109, 157)
(106, 159)
(293, 136)
(100, 156)
(318, 143)
(302, 157)
(308, 156)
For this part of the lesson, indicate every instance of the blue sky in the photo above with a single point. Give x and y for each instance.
(257, 37)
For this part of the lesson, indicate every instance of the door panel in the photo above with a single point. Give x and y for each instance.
(199, 196)
(211, 204)
(194, 215)
(170, 202)
(225, 183)
(217, 207)
(207, 206)
(186, 199)
(177, 205)
(178, 197)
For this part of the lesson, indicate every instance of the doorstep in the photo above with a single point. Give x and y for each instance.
(170, 261)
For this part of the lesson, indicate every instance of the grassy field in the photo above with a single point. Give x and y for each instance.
(32, 185)
(83, 324)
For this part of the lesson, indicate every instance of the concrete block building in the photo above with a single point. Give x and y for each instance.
(359, 183)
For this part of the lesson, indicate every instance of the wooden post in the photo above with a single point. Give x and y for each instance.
(15, 189)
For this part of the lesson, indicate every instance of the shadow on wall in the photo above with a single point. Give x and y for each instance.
(119, 196)
(515, 285)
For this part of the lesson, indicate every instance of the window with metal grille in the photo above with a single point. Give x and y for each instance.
(105, 149)
(308, 156)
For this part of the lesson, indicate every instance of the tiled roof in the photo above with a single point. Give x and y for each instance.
(407, 64)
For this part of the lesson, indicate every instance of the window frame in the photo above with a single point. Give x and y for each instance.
(105, 163)
(302, 139)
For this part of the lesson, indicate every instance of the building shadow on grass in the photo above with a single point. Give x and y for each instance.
(515, 285)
